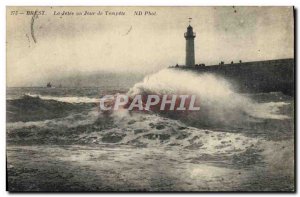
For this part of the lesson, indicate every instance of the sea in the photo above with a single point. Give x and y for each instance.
(57, 139)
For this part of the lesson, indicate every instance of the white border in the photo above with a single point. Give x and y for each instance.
(153, 2)
(5, 3)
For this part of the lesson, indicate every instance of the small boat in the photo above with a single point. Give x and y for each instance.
(49, 85)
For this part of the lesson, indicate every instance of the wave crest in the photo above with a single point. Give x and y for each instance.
(219, 103)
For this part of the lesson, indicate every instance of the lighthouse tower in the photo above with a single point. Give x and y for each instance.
(189, 49)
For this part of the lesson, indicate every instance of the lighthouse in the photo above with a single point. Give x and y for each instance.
(189, 49)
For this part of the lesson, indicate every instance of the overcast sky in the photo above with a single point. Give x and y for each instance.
(68, 46)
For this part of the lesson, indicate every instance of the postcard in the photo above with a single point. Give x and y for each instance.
(150, 99)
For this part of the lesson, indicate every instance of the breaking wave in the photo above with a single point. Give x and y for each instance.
(141, 130)
(67, 99)
(34, 108)
(219, 103)
(71, 121)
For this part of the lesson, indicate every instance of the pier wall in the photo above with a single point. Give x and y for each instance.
(254, 77)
